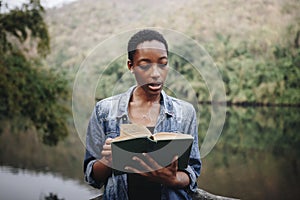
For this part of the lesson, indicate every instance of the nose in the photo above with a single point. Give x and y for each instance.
(155, 73)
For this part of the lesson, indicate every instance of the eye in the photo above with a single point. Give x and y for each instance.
(162, 65)
(145, 66)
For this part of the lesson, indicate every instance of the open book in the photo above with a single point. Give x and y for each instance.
(162, 147)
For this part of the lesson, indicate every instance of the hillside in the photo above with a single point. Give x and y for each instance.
(77, 27)
(223, 27)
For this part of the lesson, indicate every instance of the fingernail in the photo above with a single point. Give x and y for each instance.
(126, 168)
(144, 154)
(134, 158)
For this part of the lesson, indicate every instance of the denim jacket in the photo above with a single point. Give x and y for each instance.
(175, 116)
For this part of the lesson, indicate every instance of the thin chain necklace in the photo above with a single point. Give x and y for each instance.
(148, 117)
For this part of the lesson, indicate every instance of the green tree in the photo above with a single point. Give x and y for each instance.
(31, 95)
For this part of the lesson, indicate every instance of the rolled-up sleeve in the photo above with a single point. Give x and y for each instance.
(193, 175)
(89, 178)
(94, 143)
(194, 167)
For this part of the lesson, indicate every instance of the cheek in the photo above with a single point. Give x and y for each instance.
(165, 73)
(140, 78)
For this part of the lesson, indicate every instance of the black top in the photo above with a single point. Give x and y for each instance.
(140, 188)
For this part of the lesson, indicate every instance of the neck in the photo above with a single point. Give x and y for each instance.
(139, 95)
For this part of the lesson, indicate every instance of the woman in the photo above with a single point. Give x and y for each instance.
(146, 104)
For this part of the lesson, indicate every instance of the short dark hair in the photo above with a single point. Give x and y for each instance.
(142, 36)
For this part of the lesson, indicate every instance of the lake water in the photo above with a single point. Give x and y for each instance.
(256, 157)
(29, 185)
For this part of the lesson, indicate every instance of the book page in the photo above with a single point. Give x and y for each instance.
(171, 136)
(134, 130)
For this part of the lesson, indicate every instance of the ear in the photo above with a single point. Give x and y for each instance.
(130, 65)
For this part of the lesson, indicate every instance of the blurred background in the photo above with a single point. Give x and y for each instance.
(255, 45)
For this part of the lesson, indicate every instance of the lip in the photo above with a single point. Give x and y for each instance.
(155, 86)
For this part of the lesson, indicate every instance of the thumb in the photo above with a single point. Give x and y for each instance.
(174, 163)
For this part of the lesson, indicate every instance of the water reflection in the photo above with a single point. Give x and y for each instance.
(29, 185)
(52, 196)
(256, 157)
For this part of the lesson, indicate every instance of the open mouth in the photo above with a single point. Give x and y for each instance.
(155, 86)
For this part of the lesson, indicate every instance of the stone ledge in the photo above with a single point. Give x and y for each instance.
(203, 195)
(200, 195)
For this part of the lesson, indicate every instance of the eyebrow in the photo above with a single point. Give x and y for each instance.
(148, 60)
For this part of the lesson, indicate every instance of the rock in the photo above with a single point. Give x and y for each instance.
(203, 195)
(199, 195)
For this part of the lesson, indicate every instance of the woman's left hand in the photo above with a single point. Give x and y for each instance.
(168, 175)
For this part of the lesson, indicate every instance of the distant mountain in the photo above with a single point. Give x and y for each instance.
(78, 27)
(253, 43)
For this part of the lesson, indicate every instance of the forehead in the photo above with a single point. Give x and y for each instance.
(153, 44)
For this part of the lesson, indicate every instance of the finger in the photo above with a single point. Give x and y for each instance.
(106, 153)
(152, 162)
(131, 169)
(174, 163)
(106, 147)
(108, 141)
(175, 158)
(107, 144)
(142, 163)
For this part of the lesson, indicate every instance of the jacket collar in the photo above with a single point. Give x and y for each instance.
(166, 102)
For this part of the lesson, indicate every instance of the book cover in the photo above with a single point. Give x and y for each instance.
(162, 147)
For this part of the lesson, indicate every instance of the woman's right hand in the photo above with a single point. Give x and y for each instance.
(106, 153)
(102, 168)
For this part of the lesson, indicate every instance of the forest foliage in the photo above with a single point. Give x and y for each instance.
(256, 67)
(267, 75)
(261, 72)
(251, 74)
(32, 96)
(258, 56)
